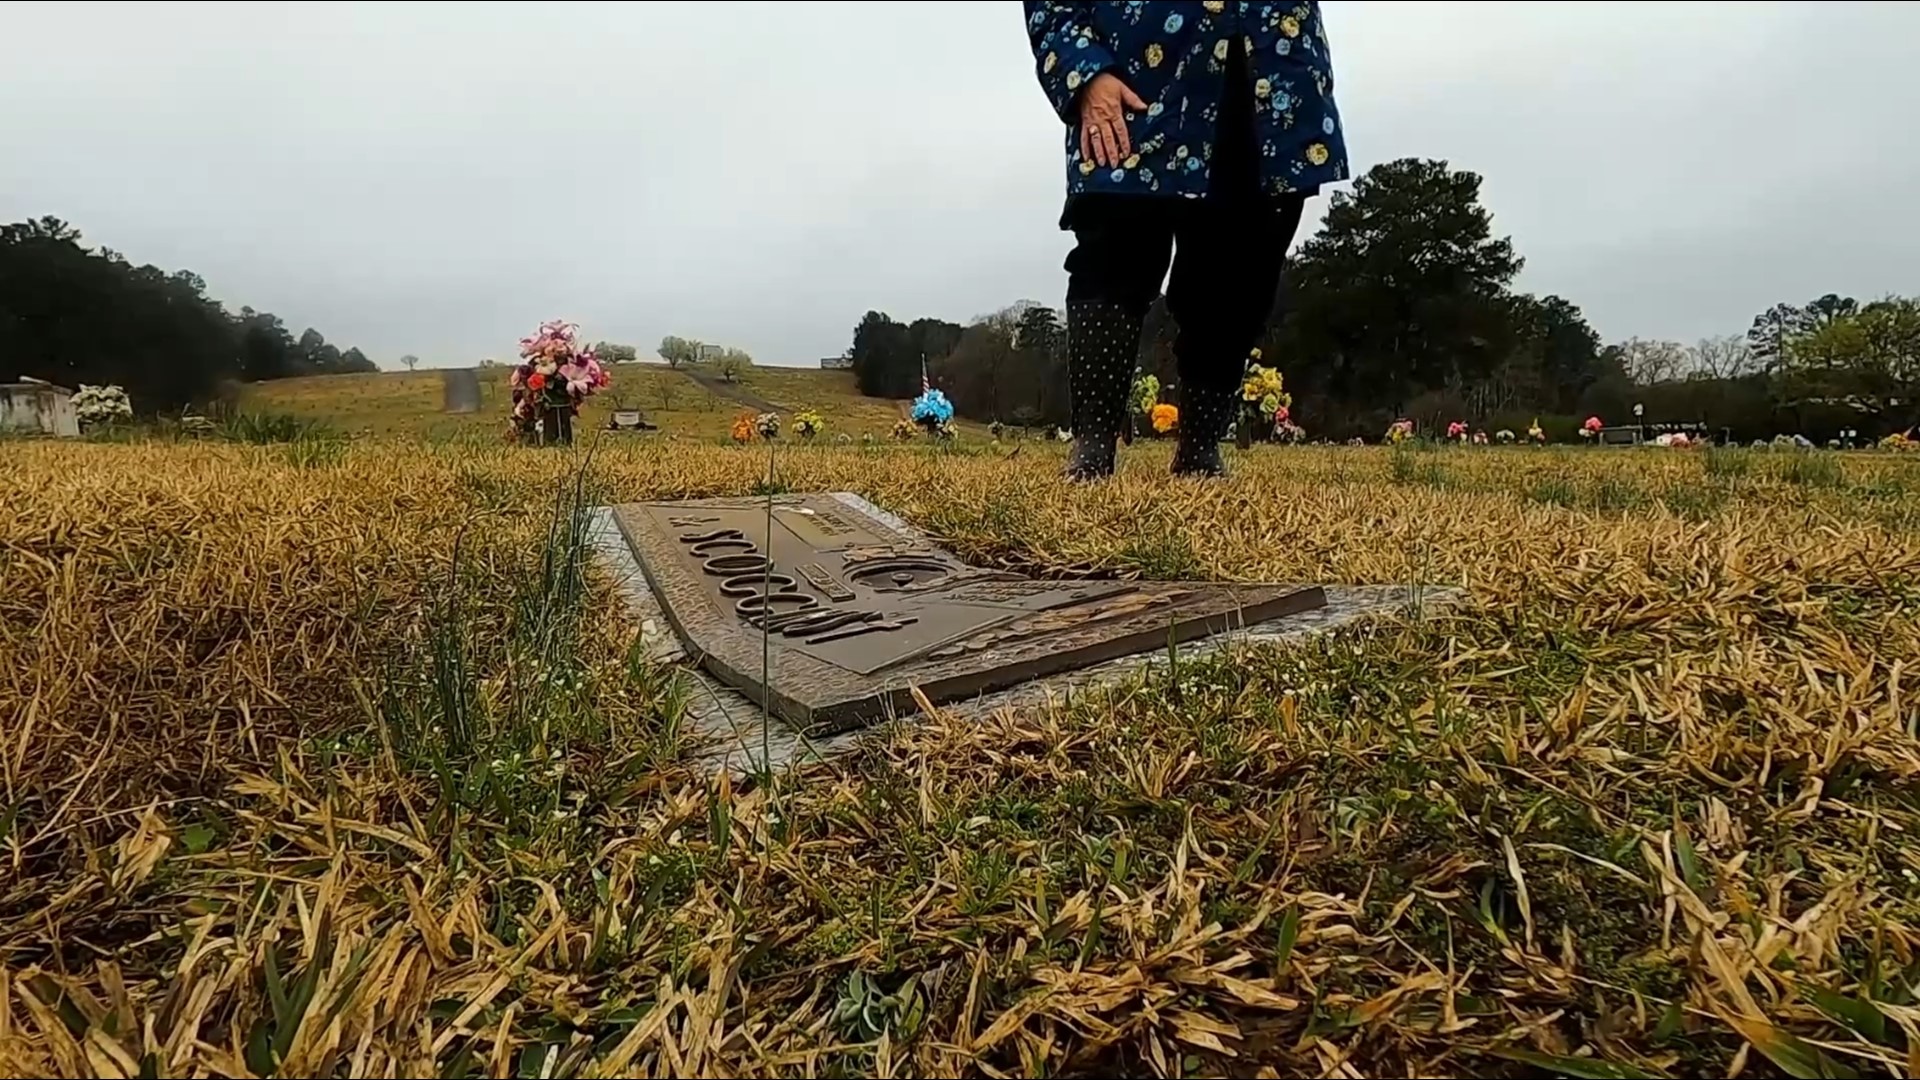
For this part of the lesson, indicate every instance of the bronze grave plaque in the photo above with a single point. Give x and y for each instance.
(852, 613)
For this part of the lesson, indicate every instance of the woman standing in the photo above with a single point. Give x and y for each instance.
(1195, 134)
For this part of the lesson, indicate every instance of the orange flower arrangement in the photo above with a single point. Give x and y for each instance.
(1165, 417)
(743, 428)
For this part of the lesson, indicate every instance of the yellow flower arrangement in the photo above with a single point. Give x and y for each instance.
(1264, 389)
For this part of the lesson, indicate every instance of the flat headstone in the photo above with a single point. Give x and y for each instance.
(460, 389)
(733, 734)
(831, 614)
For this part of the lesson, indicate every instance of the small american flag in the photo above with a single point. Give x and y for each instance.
(926, 384)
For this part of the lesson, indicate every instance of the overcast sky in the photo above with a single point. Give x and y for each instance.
(437, 178)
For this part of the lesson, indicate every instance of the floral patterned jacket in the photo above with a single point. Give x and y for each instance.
(1173, 54)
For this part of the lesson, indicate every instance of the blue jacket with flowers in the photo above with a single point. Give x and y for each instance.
(1173, 54)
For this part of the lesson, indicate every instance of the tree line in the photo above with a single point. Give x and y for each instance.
(71, 314)
(1403, 306)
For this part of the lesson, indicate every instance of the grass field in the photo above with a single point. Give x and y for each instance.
(409, 403)
(336, 758)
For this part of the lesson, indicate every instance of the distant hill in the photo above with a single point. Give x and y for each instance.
(395, 403)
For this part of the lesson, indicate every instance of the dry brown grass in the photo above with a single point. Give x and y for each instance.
(1639, 807)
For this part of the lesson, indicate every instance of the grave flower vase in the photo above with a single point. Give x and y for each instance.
(556, 423)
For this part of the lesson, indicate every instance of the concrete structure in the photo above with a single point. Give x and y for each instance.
(34, 407)
(460, 390)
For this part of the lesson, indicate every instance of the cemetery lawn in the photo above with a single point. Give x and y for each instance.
(326, 758)
(409, 403)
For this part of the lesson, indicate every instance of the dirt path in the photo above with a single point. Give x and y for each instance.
(733, 392)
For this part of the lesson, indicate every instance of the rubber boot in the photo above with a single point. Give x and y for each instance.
(1205, 415)
(1103, 340)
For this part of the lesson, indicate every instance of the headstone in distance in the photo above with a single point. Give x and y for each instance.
(460, 390)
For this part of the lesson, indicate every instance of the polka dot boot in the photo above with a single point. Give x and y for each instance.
(1103, 339)
(1205, 415)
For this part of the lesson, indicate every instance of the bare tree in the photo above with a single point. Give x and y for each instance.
(1648, 362)
(1727, 357)
(669, 388)
(410, 361)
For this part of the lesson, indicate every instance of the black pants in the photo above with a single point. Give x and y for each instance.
(1226, 250)
(1226, 258)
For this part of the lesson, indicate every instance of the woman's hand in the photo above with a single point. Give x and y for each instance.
(1103, 120)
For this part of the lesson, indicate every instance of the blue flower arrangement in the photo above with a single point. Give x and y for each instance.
(932, 410)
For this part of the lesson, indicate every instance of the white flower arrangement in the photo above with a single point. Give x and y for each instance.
(97, 405)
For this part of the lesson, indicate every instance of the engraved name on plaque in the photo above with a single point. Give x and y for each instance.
(855, 613)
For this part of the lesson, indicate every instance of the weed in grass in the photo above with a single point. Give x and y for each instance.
(1402, 467)
(1419, 467)
(505, 754)
(266, 428)
(1811, 469)
(1904, 518)
(489, 491)
(1617, 493)
(1007, 513)
(315, 452)
(1726, 462)
(1694, 502)
(1882, 486)
(1162, 555)
(1554, 491)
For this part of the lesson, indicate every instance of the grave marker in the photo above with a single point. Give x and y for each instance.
(855, 612)
(460, 390)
